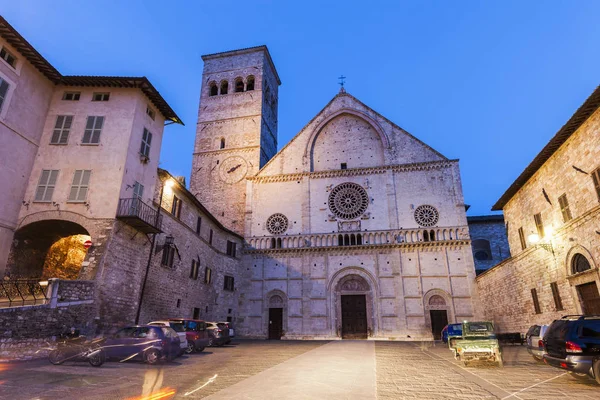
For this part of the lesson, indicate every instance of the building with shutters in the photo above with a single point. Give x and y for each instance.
(552, 215)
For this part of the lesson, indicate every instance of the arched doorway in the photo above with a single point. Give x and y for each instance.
(584, 280)
(277, 314)
(355, 301)
(48, 249)
(437, 311)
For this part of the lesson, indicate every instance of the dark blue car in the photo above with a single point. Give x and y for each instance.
(451, 330)
(146, 342)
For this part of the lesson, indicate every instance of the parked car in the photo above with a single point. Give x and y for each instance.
(218, 334)
(177, 327)
(196, 333)
(535, 345)
(451, 330)
(573, 343)
(477, 343)
(149, 343)
(229, 326)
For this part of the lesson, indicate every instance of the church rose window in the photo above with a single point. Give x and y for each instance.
(277, 224)
(426, 215)
(348, 200)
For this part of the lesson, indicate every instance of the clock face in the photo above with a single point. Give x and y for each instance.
(233, 169)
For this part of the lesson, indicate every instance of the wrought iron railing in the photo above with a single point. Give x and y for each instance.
(135, 207)
(22, 292)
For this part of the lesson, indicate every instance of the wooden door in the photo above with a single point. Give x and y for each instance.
(439, 319)
(590, 298)
(354, 317)
(275, 323)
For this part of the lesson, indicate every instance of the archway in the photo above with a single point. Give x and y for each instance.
(584, 279)
(438, 311)
(353, 314)
(48, 249)
(276, 313)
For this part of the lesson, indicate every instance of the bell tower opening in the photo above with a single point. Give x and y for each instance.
(237, 129)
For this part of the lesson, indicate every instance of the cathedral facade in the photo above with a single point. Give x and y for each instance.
(354, 229)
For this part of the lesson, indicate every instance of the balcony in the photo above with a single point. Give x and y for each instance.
(139, 215)
(360, 238)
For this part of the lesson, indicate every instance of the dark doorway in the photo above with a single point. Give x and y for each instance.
(275, 323)
(196, 313)
(354, 316)
(590, 298)
(439, 319)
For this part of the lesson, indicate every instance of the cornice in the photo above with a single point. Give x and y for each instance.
(425, 166)
(246, 149)
(339, 250)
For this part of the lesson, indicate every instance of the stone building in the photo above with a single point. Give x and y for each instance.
(552, 212)
(79, 161)
(488, 240)
(354, 228)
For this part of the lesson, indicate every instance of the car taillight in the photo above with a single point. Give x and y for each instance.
(164, 342)
(541, 344)
(573, 348)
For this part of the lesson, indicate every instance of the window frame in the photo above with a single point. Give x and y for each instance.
(194, 269)
(556, 295)
(176, 207)
(228, 283)
(539, 225)
(207, 275)
(93, 130)
(146, 143)
(150, 112)
(46, 185)
(198, 225)
(4, 97)
(536, 301)
(565, 208)
(210, 237)
(7, 54)
(74, 94)
(63, 132)
(168, 256)
(522, 238)
(104, 96)
(79, 186)
(596, 180)
(231, 248)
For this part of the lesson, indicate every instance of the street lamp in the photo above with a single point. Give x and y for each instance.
(169, 183)
(537, 241)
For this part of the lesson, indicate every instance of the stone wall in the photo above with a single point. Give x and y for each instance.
(494, 231)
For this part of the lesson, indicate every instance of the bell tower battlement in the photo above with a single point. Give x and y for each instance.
(236, 132)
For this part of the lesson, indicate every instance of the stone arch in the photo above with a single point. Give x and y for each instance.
(308, 152)
(572, 253)
(437, 299)
(276, 299)
(352, 280)
(585, 277)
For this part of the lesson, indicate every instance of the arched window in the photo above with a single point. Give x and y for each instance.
(579, 263)
(214, 90)
(222, 143)
(346, 240)
(352, 240)
(278, 243)
(425, 236)
(239, 85)
(224, 87)
(273, 243)
(250, 83)
(481, 249)
(359, 239)
(340, 240)
(432, 235)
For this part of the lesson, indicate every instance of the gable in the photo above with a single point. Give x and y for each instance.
(347, 131)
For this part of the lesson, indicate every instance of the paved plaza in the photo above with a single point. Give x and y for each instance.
(299, 370)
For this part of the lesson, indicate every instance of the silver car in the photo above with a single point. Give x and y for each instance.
(534, 337)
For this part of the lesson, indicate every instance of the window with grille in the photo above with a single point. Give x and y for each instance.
(176, 207)
(564, 208)
(198, 225)
(71, 96)
(539, 224)
(210, 237)
(536, 303)
(3, 91)
(556, 295)
(595, 178)
(194, 270)
(100, 96)
(146, 141)
(228, 283)
(522, 239)
(8, 57)
(207, 275)
(168, 256)
(93, 128)
(79, 187)
(46, 184)
(231, 248)
(60, 135)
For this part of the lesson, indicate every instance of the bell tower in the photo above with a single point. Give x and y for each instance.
(236, 132)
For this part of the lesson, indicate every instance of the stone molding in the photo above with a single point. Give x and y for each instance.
(246, 149)
(425, 166)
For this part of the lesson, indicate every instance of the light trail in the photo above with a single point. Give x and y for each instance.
(211, 380)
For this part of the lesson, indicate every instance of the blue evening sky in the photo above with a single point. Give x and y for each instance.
(486, 82)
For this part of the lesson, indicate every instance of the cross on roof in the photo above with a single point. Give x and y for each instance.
(342, 79)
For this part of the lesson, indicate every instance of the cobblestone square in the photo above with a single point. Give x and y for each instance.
(300, 370)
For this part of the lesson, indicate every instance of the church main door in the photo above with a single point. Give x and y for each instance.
(354, 316)
(275, 323)
(439, 319)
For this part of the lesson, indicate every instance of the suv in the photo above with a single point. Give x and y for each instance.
(196, 333)
(573, 343)
(229, 326)
(534, 338)
(218, 334)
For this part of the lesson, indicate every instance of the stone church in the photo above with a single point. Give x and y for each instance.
(354, 229)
